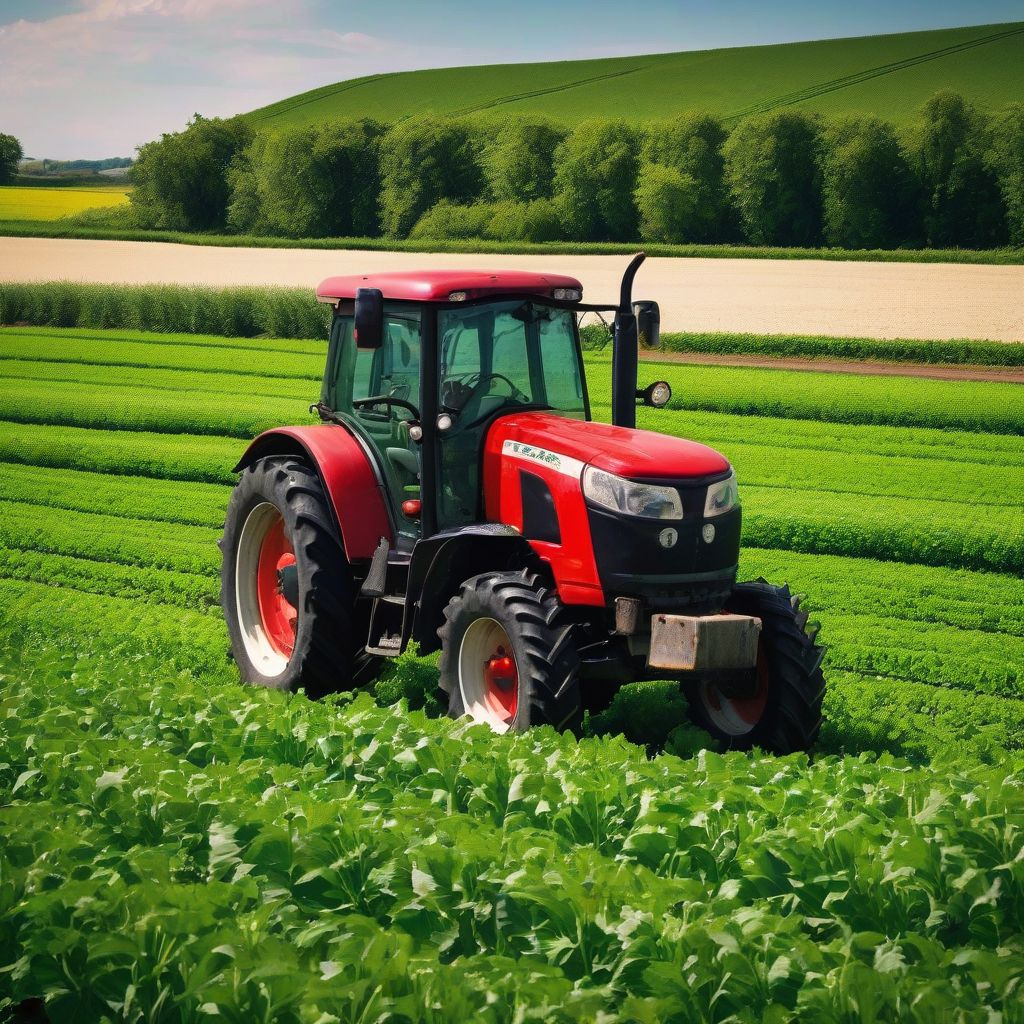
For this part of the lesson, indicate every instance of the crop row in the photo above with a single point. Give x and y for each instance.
(932, 642)
(170, 501)
(892, 529)
(140, 521)
(917, 720)
(204, 457)
(188, 309)
(174, 525)
(832, 397)
(276, 345)
(723, 430)
(145, 379)
(843, 398)
(104, 538)
(971, 352)
(938, 533)
(961, 630)
(234, 412)
(842, 470)
(144, 354)
(188, 456)
(924, 652)
(370, 848)
(849, 472)
(924, 401)
(38, 618)
(901, 350)
(111, 579)
(985, 601)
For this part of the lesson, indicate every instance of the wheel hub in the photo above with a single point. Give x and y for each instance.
(488, 675)
(502, 681)
(267, 590)
(737, 715)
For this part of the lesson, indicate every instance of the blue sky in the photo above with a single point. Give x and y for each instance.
(93, 78)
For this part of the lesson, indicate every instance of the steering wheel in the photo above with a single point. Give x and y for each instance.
(484, 379)
(474, 390)
(388, 400)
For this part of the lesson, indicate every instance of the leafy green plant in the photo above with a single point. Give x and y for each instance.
(412, 679)
(210, 847)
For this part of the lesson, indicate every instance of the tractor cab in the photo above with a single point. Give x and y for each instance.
(458, 495)
(500, 346)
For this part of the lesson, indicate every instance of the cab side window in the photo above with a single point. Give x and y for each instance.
(391, 371)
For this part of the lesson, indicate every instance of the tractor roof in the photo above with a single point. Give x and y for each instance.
(438, 285)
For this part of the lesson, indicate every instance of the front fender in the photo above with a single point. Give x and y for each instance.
(441, 563)
(353, 485)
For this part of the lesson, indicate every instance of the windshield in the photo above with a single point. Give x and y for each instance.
(509, 354)
(496, 358)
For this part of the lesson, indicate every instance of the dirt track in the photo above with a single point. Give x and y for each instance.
(876, 300)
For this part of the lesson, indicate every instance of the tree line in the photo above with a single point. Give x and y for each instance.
(953, 178)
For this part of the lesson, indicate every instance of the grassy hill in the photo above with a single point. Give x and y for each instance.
(890, 75)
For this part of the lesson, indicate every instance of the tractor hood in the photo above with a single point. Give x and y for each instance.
(635, 454)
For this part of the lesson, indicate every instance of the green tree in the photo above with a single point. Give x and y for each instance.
(1006, 159)
(869, 198)
(309, 182)
(963, 206)
(519, 159)
(595, 178)
(423, 162)
(181, 179)
(691, 144)
(10, 157)
(536, 221)
(668, 201)
(771, 168)
(447, 220)
(245, 199)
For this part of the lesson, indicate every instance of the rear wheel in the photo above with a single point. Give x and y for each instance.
(508, 654)
(783, 715)
(286, 586)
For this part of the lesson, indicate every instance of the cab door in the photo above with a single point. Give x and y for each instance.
(391, 372)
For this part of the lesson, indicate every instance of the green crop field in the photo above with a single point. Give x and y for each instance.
(53, 203)
(175, 847)
(889, 75)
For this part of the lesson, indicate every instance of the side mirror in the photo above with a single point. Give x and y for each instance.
(369, 318)
(648, 323)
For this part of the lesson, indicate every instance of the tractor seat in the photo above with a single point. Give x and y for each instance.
(405, 460)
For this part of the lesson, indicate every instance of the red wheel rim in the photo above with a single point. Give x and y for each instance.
(280, 617)
(737, 716)
(489, 676)
(501, 677)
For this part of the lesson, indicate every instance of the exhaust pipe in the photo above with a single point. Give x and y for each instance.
(624, 351)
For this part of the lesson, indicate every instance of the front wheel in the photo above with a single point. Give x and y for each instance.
(286, 586)
(508, 654)
(783, 715)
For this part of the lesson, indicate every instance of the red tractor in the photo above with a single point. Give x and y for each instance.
(459, 495)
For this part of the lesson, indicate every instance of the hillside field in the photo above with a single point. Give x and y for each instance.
(174, 847)
(888, 75)
(40, 203)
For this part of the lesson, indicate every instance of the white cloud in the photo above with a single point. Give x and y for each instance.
(115, 73)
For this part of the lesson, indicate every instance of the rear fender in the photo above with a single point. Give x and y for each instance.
(441, 563)
(353, 485)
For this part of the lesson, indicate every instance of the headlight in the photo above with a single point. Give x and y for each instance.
(630, 498)
(722, 497)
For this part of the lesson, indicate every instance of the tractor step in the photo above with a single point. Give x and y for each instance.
(387, 647)
(376, 581)
(386, 622)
